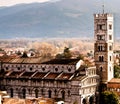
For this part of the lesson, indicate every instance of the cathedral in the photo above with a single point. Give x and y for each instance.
(59, 79)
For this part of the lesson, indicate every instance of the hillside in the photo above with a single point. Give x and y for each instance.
(63, 18)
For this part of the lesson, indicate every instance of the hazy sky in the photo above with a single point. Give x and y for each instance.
(13, 2)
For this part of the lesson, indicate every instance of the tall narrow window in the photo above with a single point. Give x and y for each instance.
(68, 93)
(63, 94)
(42, 92)
(110, 68)
(101, 26)
(11, 92)
(55, 92)
(101, 58)
(110, 58)
(110, 26)
(101, 69)
(36, 93)
(24, 93)
(49, 93)
(110, 47)
(110, 37)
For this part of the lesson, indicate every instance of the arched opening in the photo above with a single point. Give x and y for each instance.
(11, 92)
(49, 93)
(91, 100)
(24, 93)
(98, 48)
(101, 68)
(36, 93)
(42, 92)
(68, 93)
(55, 92)
(102, 59)
(84, 101)
(101, 48)
(63, 94)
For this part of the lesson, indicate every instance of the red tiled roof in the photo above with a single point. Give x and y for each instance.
(114, 83)
(52, 76)
(14, 74)
(65, 76)
(39, 75)
(114, 80)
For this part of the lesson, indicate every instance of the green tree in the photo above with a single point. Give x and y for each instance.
(108, 97)
(67, 53)
(117, 71)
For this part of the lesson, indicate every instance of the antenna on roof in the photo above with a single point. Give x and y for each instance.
(103, 7)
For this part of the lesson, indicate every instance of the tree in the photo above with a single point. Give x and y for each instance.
(117, 71)
(108, 97)
(67, 53)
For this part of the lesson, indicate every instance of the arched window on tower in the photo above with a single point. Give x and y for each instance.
(101, 69)
(101, 48)
(101, 58)
(110, 58)
(110, 47)
(98, 48)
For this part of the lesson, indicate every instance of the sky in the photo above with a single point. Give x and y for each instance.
(14, 2)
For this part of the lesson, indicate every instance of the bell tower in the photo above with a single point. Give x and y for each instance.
(103, 46)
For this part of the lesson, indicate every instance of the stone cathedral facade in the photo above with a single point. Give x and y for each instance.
(61, 79)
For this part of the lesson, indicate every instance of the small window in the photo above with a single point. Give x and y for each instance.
(101, 58)
(43, 69)
(110, 26)
(101, 26)
(110, 68)
(69, 70)
(56, 69)
(110, 58)
(100, 37)
(68, 93)
(110, 37)
(18, 68)
(6, 68)
(110, 48)
(101, 69)
(31, 69)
